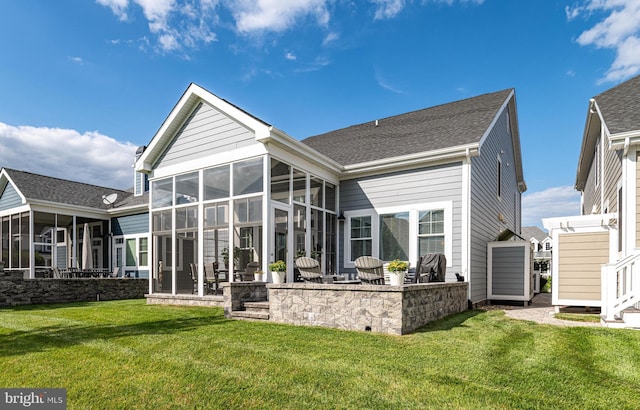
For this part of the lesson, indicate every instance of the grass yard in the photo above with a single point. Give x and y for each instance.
(129, 355)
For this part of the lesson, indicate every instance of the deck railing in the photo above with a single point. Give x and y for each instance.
(620, 285)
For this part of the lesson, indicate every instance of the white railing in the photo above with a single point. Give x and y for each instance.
(620, 285)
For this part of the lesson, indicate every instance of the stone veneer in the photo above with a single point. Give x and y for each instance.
(383, 309)
(16, 290)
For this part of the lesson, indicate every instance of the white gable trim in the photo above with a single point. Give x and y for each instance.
(180, 113)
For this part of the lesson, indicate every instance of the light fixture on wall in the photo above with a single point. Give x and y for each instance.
(341, 216)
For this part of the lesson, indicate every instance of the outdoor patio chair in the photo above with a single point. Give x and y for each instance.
(309, 269)
(247, 275)
(194, 277)
(370, 270)
(116, 272)
(56, 273)
(218, 278)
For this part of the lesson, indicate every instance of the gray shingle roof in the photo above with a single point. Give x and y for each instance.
(620, 106)
(529, 232)
(443, 126)
(62, 191)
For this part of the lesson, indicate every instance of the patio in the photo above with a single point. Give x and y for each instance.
(377, 308)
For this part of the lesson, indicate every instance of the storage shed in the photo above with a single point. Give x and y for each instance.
(510, 271)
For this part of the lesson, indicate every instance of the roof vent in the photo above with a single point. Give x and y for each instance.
(376, 123)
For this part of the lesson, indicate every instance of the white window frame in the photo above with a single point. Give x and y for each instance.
(348, 262)
(137, 238)
(414, 210)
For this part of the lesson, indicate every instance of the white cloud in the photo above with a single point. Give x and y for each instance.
(276, 15)
(552, 202)
(77, 60)
(331, 37)
(88, 157)
(290, 56)
(386, 9)
(619, 31)
(176, 23)
(118, 7)
(382, 82)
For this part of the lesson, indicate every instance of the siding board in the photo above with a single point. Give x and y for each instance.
(206, 132)
(485, 204)
(579, 271)
(130, 224)
(424, 185)
(9, 198)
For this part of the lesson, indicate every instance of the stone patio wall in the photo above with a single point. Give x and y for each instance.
(383, 309)
(16, 290)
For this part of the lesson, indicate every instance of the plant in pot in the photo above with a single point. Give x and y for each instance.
(258, 276)
(278, 271)
(397, 271)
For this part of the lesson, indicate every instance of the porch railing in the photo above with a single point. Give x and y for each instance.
(620, 285)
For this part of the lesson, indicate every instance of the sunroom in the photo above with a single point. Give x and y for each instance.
(250, 212)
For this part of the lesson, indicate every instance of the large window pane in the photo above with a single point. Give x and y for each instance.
(216, 182)
(187, 218)
(162, 193)
(394, 236)
(131, 252)
(187, 188)
(24, 240)
(43, 236)
(247, 210)
(315, 189)
(330, 194)
(280, 184)
(300, 229)
(216, 215)
(299, 186)
(247, 177)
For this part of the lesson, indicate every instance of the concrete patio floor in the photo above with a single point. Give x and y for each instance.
(541, 311)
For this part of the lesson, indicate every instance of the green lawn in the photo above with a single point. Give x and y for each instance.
(128, 355)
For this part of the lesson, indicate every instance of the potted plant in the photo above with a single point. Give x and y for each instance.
(278, 271)
(397, 271)
(258, 276)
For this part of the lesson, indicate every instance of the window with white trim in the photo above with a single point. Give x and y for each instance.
(394, 236)
(403, 232)
(360, 239)
(431, 231)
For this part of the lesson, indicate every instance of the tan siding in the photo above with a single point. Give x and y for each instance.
(580, 256)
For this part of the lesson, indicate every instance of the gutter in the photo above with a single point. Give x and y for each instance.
(406, 161)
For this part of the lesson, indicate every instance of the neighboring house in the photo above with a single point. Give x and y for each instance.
(42, 219)
(542, 248)
(595, 254)
(227, 186)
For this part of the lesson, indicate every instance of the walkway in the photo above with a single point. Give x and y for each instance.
(540, 311)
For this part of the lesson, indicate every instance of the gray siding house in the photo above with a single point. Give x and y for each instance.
(229, 188)
(218, 188)
(42, 220)
(595, 253)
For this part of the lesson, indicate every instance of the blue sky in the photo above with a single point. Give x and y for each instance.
(83, 83)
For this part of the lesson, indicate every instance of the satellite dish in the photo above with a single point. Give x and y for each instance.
(109, 199)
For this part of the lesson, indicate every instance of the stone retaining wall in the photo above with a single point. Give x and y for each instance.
(383, 309)
(15, 290)
(236, 293)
